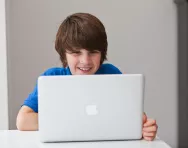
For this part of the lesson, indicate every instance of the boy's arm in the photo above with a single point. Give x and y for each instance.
(27, 119)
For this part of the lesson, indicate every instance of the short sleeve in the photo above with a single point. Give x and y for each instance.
(32, 99)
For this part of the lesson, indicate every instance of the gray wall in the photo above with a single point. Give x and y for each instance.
(142, 38)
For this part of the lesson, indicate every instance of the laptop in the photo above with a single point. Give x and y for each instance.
(90, 107)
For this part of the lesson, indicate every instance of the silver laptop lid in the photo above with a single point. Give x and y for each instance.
(90, 107)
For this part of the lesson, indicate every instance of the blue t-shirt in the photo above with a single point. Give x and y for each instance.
(32, 100)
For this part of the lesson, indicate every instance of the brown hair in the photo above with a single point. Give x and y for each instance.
(81, 30)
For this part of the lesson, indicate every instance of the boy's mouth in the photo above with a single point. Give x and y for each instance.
(84, 69)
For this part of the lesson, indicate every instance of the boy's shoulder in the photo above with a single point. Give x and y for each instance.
(108, 68)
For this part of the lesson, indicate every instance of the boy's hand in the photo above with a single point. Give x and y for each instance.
(150, 127)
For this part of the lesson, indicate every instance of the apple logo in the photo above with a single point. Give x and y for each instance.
(91, 110)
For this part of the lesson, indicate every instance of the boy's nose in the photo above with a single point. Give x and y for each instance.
(85, 59)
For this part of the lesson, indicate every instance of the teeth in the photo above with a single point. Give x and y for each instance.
(84, 69)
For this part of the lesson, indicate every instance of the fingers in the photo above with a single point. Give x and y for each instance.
(144, 118)
(151, 134)
(149, 138)
(150, 129)
(149, 122)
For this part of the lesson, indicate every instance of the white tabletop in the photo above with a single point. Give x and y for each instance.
(30, 139)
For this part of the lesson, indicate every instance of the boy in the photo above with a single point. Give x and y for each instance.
(81, 42)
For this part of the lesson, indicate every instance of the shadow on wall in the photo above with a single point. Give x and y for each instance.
(182, 6)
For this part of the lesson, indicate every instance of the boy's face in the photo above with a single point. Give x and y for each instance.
(83, 62)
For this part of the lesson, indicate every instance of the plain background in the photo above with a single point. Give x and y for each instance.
(142, 37)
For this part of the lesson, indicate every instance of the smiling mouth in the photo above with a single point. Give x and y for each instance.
(84, 69)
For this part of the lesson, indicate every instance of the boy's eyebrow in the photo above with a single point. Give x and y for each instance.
(73, 49)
